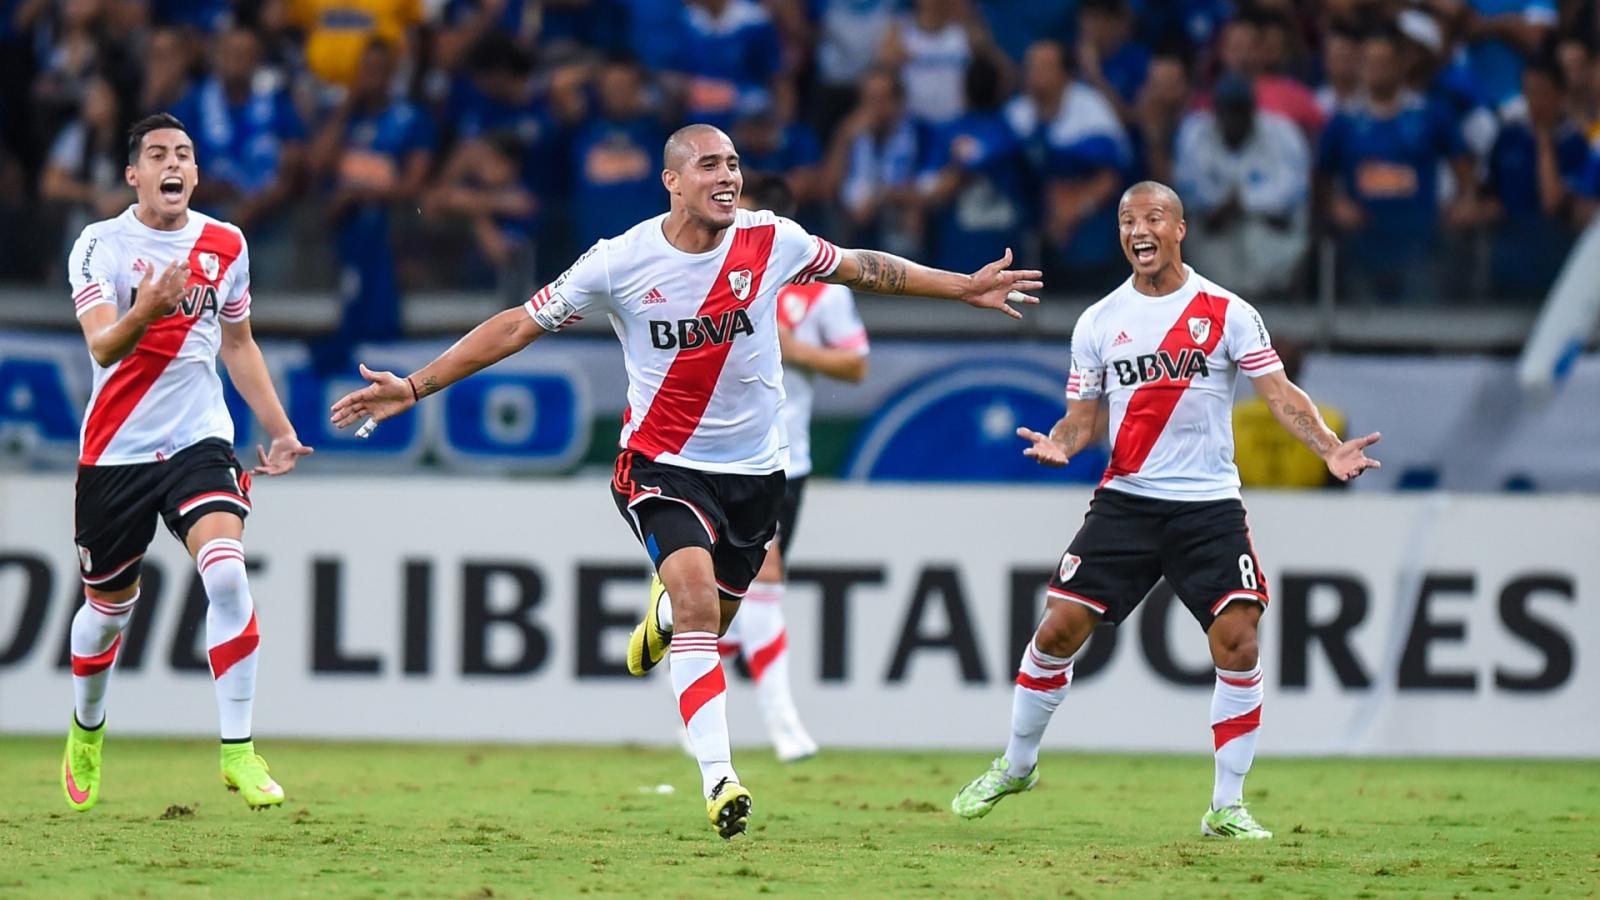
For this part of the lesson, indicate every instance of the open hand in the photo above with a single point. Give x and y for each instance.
(1347, 460)
(159, 299)
(994, 285)
(285, 452)
(387, 396)
(1044, 449)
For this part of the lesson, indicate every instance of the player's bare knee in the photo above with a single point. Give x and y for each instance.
(1234, 644)
(112, 598)
(1064, 628)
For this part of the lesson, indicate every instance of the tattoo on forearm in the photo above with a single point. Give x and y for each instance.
(430, 385)
(1307, 423)
(880, 273)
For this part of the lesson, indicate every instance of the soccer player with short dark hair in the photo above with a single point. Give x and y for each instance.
(1163, 350)
(161, 292)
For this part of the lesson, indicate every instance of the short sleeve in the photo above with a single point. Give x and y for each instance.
(90, 273)
(236, 299)
(1087, 378)
(803, 257)
(840, 322)
(1247, 342)
(584, 287)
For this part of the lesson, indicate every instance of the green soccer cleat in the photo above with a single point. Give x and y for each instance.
(245, 773)
(728, 808)
(982, 793)
(80, 767)
(647, 646)
(1233, 822)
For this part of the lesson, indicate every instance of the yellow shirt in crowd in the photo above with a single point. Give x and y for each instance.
(1269, 456)
(338, 30)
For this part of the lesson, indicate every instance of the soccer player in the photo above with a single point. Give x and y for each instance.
(692, 295)
(1164, 349)
(820, 333)
(161, 292)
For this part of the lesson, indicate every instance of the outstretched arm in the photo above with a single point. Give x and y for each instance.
(991, 287)
(1295, 411)
(1068, 438)
(389, 394)
(248, 372)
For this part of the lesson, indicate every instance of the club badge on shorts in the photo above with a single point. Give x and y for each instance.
(1069, 567)
(84, 559)
(1199, 329)
(210, 266)
(740, 282)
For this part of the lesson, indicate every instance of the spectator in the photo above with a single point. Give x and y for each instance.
(653, 30)
(1580, 72)
(1499, 35)
(1242, 54)
(970, 179)
(204, 16)
(1171, 23)
(1533, 173)
(1108, 56)
(1450, 88)
(1017, 24)
(1079, 154)
(168, 67)
(247, 135)
(78, 53)
(337, 31)
(376, 151)
(1158, 111)
(851, 34)
(1244, 175)
(728, 55)
(773, 143)
(1379, 166)
(932, 47)
(499, 94)
(615, 159)
(1341, 71)
(872, 168)
(83, 172)
(482, 186)
(1269, 456)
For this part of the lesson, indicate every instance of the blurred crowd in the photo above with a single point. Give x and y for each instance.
(1404, 151)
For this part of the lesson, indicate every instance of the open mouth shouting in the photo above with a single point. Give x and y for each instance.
(1144, 252)
(172, 187)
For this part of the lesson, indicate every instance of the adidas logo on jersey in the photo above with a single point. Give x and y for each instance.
(1122, 338)
(654, 296)
(1161, 366)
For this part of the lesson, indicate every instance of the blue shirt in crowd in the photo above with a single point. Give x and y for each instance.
(729, 60)
(985, 216)
(240, 144)
(616, 177)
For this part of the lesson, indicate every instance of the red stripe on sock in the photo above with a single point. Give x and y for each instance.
(231, 651)
(1042, 685)
(706, 688)
(1251, 681)
(766, 655)
(1228, 729)
(94, 665)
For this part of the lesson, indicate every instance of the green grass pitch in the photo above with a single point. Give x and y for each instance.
(406, 820)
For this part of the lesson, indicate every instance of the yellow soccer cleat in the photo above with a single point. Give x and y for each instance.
(80, 767)
(647, 646)
(245, 773)
(729, 808)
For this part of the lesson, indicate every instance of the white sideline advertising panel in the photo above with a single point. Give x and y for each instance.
(463, 609)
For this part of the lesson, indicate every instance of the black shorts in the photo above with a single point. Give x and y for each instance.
(117, 506)
(732, 517)
(1128, 543)
(794, 491)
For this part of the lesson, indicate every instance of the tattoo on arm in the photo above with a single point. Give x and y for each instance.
(880, 273)
(1309, 425)
(430, 385)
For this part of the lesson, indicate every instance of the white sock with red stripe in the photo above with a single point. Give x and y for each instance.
(96, 637)
(1042, 682)
(231, 636)
(702, 692)
(764, 641)
(1235, 724)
